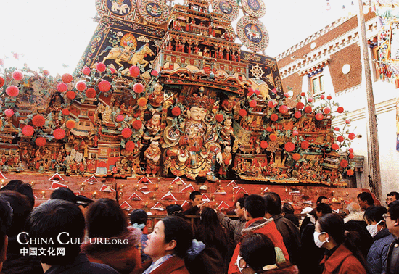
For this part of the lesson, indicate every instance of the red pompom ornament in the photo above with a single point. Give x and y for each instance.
(335, 146)
(308, 109)
(71, 94)
(104, 86)
(298, 114)
(12, 91)
(319, 116)
(273, 137)
(17, 75)
(28, 130)
(310, 100)
(65, 111)
(219, 118)
(70, 124)
(299, 105)
(62, 87)
(350, 150)
(349, 172)
(86, 71)
(242, 112)
(295, 132)
(269, 129)
(126, 132)
(343, 163)
(326, 110)
(91, 93)
(9, 112)
(271, 104)
(134, 71)
(274, 117)
(142, 102)
(137, 124)
(100, 67)
(138, 88)
(264, 144)
(252, 104)
(340, 109)
(351, 156)
(154, 73)
(40, 141)
(38, 120)
(304, 144)
(176, 111)
(80, 85)
(303, 94)
(340, 138)
(296, 156)
(347, 122)
(351, 136)
(130, 145)
(321, 97)
(67, 78)
(283, 109)
(329, 97)
(1, 82)
(59, 133)
(289, 146)
(120, 118)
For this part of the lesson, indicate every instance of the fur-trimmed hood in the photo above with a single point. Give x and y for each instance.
(256, 224)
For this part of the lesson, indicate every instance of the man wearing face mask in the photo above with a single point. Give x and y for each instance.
(378, 252)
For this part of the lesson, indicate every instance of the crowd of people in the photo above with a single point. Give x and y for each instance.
(74, 234)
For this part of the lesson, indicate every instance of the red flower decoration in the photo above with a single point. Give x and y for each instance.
(126, 132)
(304, 144)
(340, 138)
(1, 82)
(308, 109)
(351, 150)
(303, 93)
(336, 128)
(319, 116)
(137, 124)
(67, 78)
(154, 73)
(59, 133)
(271, 104)
(17, 75)
(351, 156)
(112, 69)
(91, 93)
(322, 97)
(283, 109)
(252, 104)
(289, 146)
(242, 112)
(9, 112)
(46, 72)
(100, 67)
(62, 87)
(295, 132)
(104, 86)
(86, 71)
(28, 130)
(299, 105)
(219, 118)
(65, 111)
(344, 163)
(326, 110)
(176, 111)
(120, 118)
(298, 114)
(142, 102)
(310, 100)
(335, 146)
(40, 141)
(274, 117)
(12, 91)
(269, 129)
(138, 88)
(351, 136)
(130, 145)
(134, 71)
(296, 156)
(38, 120)
(273, 137)
(71, 94)
(347, 122)
(70, 124)
(340, 109)
(81, 85)
(263, 144)
(329, 97)
(349, 172)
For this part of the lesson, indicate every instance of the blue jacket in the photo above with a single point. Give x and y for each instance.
(378, 252)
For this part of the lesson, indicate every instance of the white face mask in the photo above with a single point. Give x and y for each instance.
(316, 239)
(238, 263)
(373, 229)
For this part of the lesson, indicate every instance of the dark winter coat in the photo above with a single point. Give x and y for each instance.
(290, 233)
(234, 226)
(378, 252)
(393, 258)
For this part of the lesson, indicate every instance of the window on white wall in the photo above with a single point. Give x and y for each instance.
(316, 82)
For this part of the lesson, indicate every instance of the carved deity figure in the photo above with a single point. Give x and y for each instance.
(153, 127)
(153, 155)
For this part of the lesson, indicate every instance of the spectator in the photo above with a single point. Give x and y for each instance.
(167, 246)
(66, 194)
(138, 220)
(392, 196)
(355, 212)
(254, 212)
(193, 207)
(259, 255)
(360, 236)
(288, 212)
(341, 255)
(322, 199)
(392, 220)
(311, 254)
(21, 187)
(123, 254)
(174, 209)
(306, 220)
(378, 252)
(16, 262)
(63, 222)
(5, 224)
(365, 200)
(287, 229)
(234, 226)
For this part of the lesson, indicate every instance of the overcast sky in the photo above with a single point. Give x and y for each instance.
(53, 33)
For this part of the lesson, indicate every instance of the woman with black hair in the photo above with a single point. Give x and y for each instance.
(342, 257)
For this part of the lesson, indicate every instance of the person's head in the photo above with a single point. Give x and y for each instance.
(273, 203)
(322, 199)
(256, 251)
(365, 200)
(21, 187)
(5, 224)
(105, 219)
(174, 209)
(64, 193)
(254, 207)
(171, 235)
(209, 216)
(392, 218)
(196, 198)
(240, 207)
(138, 218)
(392, 196)
(61, 221)
(20, 210)
(330, 231)
(374, 219)
(322, 209)
(288, 208)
